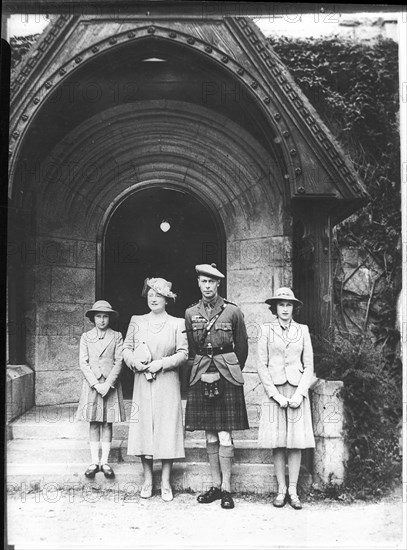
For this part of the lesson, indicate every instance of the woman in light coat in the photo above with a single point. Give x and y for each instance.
(154, 348)
(101, 401)
(286, 369)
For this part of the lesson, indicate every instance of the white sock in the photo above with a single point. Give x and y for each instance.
(105, 452)
(292, 488)
(94, 451)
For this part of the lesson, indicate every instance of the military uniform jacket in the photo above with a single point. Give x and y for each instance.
(228, 330)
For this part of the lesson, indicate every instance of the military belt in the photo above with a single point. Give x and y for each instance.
(210, 351)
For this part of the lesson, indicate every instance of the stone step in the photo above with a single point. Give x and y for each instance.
(77, 450)
(186, 476)
(59, 422)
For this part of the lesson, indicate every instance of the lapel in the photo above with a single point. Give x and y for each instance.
(277, 330)
(102, 344)
(291, 337)
(218, 307)
(202, 310)
(219, 304)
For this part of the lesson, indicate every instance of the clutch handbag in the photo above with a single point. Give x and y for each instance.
(142, 353)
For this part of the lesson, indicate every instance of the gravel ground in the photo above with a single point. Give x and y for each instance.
(111, 520)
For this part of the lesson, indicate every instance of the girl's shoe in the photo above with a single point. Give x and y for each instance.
(107, 470)
(146, 491)
(166, 494)
(92, 470)
(280, 500)
(295, 502)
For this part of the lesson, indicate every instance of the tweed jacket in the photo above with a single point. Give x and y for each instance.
(285, 356)
(228, 330)
(101, 357)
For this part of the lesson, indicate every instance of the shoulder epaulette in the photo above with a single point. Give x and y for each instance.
(229, 302)
(192, 305)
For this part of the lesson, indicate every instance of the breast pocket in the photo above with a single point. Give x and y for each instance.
(224, 333)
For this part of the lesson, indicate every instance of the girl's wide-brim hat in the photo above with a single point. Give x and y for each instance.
(284, 294)
(101, 306)
(159, 285)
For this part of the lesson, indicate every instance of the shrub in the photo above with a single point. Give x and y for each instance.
(372, 395)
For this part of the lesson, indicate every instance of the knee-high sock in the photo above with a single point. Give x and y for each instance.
(226, 454)
(213, 456)
(94, 451)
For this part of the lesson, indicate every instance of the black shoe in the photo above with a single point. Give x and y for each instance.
(227, 501)
(106, 469)
(92, 471)
(210, 496)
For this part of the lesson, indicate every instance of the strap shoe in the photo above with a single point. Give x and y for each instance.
(107, 470)
(92, 470)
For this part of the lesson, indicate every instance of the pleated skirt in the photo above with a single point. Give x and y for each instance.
(289, 428)
(93, 407)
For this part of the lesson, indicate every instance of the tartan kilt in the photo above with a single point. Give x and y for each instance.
(224, 414)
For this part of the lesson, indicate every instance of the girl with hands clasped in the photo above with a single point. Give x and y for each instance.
(154, 348)
(101, 401)
(286, 370)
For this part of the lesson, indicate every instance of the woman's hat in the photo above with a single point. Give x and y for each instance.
(160, 285)
(283, 294)
(101, 306)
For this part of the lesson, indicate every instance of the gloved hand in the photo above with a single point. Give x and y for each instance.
(295, 400)
(281, 400)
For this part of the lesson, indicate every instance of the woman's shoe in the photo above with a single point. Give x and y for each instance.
(280, 500)
(295, 502)
(166, 494)
(107, 470)
(146, 491)
(92, 470)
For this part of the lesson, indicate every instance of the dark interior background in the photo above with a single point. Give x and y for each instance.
(136, 248)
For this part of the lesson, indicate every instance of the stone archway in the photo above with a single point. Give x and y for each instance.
(127, 148)
(134, 247)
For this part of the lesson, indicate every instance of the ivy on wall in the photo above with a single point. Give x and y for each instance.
(354, 88)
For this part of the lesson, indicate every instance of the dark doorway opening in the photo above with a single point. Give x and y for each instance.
(135, 247)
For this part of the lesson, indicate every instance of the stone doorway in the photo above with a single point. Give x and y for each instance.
(135, 247)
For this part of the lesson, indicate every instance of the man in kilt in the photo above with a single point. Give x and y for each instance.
(217, 339)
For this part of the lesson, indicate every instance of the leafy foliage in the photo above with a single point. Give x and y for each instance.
(354, 87)
(372, 396)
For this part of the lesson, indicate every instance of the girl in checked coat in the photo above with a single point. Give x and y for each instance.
(286, 370)
(101, 401)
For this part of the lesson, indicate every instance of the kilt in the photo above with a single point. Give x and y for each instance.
(224, 414)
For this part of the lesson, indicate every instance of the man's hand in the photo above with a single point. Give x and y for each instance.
(295, 400)
(281, 400)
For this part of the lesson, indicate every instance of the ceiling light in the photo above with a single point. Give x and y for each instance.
(165, 226)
